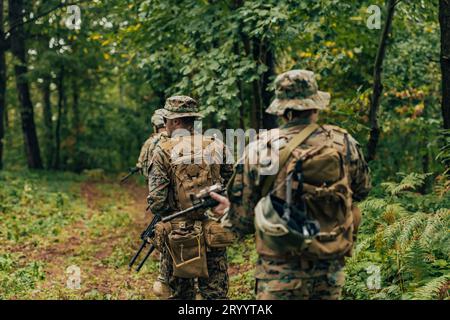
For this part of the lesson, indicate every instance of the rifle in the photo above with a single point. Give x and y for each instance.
(202, 200)
(131, 171)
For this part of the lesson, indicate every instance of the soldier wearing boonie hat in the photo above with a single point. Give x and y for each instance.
(283, 270)
(171, 183)
(297, 90)
(180, 107)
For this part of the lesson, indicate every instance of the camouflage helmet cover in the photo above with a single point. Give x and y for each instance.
(157, 118)
(179, 107)
(297, 90)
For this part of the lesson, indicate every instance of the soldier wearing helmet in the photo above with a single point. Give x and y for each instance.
(159, 134)
(257, 202)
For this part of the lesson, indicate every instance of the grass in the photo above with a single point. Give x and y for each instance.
(49, 222)
(52, 221)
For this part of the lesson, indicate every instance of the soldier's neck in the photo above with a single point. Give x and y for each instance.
(182, 132)
(297, 122)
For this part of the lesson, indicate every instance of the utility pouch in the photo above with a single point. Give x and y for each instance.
(188, 251)
(217, 236)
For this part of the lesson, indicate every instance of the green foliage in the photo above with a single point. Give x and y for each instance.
(242, 258)
(128, 57)
(50, 221)
(406, 235)
(15, 278)
(29, 211)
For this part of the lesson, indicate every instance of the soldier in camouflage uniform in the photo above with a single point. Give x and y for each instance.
(179, 113)
(159, 134)
(160, 287)
(292, 277)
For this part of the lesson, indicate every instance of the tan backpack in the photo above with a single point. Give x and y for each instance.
(323, 189)
(195, 163)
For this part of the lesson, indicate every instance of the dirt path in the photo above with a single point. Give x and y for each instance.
(95, 228)
(138, 210)
(101, 251)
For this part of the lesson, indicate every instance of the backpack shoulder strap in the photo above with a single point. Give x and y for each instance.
(286, 152)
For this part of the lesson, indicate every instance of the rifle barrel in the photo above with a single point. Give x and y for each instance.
(130, 173)
(149, 252)
(180, 213)
(137, 254)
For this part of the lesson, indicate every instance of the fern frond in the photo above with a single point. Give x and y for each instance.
(442, 185)
(393, 211)
(372, 204)
(409, 182)
(416, 260)
(392, 292)
(437, 288)
(359, 249)
(391, 233)
(437, 224)
(410, 226)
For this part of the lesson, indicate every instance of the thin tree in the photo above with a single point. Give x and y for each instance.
(377, 80)
(18, 49)
(444, 19)
(61, 100)
(48, 124)
(3, 48)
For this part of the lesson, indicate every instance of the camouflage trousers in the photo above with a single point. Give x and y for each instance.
(164, 261)
(297, 280)
(211, 288)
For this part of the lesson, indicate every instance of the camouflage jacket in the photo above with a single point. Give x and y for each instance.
(244, 189)
(161, 182)
(147, 149)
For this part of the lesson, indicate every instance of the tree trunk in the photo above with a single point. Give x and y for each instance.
(237, 52)
(424, 150)
(444, 19)
(47, 115)
(76, 123)
(253, 108)
(269, 121)
(377, 82)
(263, 54)
(256, 87)
(61, 98)
(2, 84)
(23, 88)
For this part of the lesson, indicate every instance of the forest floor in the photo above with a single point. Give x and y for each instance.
(69, 236)
(55, 228)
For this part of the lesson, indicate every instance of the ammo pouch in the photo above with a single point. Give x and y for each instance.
(217, 236)
(187, 249)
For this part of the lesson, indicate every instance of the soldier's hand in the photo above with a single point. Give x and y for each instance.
(222, 207)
